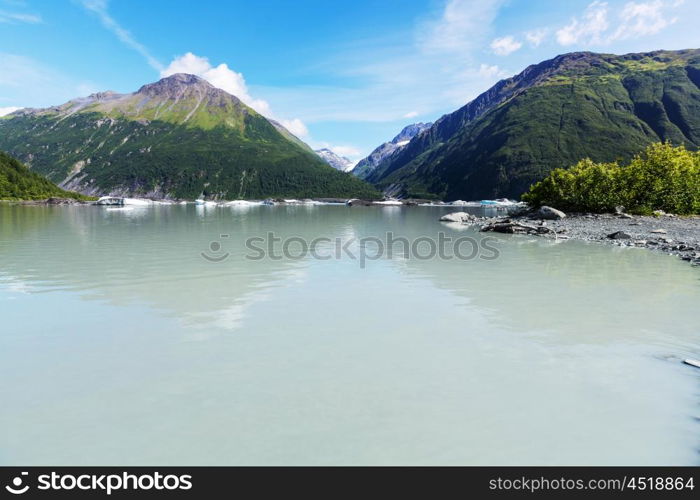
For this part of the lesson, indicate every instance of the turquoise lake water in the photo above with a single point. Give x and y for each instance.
(121, 343)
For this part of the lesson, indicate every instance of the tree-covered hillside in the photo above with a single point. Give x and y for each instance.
(17, 182)
(576, 106)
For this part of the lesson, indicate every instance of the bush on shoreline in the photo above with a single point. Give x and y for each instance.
(663, 177)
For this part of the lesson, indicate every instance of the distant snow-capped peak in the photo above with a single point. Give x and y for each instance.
(334, 160)
(366, 166)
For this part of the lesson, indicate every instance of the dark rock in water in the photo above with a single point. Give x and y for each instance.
(519, 210)
(619, 235)
(508, 227)
(550, 213)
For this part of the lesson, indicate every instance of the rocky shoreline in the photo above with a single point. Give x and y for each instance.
(670, 234)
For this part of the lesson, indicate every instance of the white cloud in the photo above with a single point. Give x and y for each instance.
(8, 110)
(295, 126)
(505, 45)
(411, 114)
(636, 19)
(589, 29)
(490, 72)
(460, 25)
(19, 17)
(641, 19)
(100, 8)
(225, 78)
(536, 37)
(348, 151)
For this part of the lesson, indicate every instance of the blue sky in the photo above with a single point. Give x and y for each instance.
(345, 75)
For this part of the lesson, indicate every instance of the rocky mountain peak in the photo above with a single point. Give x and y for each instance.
(410, 131)
(103, 96)
(176, 85)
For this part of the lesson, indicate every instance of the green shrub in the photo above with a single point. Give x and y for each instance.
(663, 177)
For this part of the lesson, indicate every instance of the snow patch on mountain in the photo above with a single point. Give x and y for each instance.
(334, 160)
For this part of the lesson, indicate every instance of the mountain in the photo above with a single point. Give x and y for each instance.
(601, 106)
(17, 182)
(179, 137)
(365, 167)
(334, 160)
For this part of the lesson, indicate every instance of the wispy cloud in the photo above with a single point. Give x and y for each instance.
(460, 26)
(491, 71)
(8, 17)
(634, 20)
(100, 9)
(643, 19)
(589, 28)
(505, 45)
(431, 69)
(537, 36)
(25, 81)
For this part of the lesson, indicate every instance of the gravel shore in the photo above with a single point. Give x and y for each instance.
(669, 234)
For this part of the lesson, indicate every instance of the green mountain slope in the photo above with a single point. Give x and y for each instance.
(17, 182)
(179, 137)
(579, 105)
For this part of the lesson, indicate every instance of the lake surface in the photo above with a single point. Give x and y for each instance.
(120, 344)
